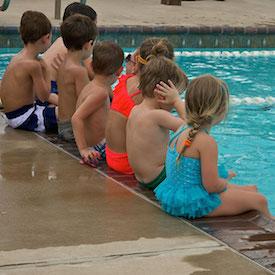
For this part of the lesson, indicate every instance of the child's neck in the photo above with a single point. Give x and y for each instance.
(75, 56)
(30, 51)
(150, 103)
(102, 80)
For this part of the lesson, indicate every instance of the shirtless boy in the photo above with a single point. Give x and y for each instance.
(149, 123)
(27, 77)
(57, 51)
(89, 120)
(78, 33)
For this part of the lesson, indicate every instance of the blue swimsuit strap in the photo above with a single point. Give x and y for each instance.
(176, 134)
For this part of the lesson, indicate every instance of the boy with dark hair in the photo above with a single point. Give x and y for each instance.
(78, 33)
(79, 8)
(89, 119)
(57, 51)
(27, 77)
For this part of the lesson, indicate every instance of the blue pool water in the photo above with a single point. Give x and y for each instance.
(247, 137)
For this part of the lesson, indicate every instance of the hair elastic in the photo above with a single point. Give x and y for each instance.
(141, 60)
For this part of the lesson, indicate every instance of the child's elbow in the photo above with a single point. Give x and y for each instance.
(74, 119)
(43, 97)
(211, 186)
(44, 94)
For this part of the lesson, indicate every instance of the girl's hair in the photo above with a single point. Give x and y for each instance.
(206, 102)
(154, 47)
(161, 69)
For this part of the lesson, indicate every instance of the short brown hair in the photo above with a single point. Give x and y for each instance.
(107, 57)
(161, 69)
(79, 8)
(33, 26)
(77, 30)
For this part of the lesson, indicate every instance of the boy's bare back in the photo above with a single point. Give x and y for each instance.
(68, 77)
(21, 82)
(94, 104)
(146, 141)
(56, 50)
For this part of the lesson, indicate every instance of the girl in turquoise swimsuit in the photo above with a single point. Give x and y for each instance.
(192, 187)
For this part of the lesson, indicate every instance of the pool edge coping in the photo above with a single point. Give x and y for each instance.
(169, 29)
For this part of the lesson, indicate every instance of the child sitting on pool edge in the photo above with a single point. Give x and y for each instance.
(193, 188)
(27, 77)
(149, 123)
(90, 117)
(78, 33)
(58, 51)
(126, 96)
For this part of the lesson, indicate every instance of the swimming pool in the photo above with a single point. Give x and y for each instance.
(247, 137)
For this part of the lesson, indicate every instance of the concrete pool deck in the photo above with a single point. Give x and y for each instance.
(59, 217)
(233, 13)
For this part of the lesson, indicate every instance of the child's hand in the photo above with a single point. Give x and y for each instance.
(167, 94)
(43, 64)
(57, 61)
(89, 157)
(45, 67)
(231, 174)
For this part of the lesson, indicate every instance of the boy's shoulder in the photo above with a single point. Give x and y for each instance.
(140, 112)
(20, 63)
(75, 69)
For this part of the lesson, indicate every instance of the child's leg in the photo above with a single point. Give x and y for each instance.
(236, 201)
(252, 188)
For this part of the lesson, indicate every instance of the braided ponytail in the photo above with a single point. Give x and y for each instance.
(191, 135)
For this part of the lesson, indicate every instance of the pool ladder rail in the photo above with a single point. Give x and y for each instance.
(5, 5)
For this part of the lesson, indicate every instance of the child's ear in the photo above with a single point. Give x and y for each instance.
(45, 38)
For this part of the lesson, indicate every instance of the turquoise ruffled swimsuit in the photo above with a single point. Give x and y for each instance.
(182, 192)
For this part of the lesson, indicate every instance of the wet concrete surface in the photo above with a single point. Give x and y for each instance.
(60, 217)
(48, 199)
(250, 233)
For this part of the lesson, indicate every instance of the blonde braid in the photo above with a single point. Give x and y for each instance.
(191, 135)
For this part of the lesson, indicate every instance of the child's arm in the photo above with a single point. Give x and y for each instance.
(166, 120)
(81, 79)
(53, 99)
(87, 63)
(90, 105)
(41, 79)
(209, 165)
(169, 94)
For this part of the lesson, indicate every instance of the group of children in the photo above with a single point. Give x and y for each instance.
(69, 90)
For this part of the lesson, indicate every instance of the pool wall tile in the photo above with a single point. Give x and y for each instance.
(180, 36)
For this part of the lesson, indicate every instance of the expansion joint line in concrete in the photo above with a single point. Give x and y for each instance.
(102, 259)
